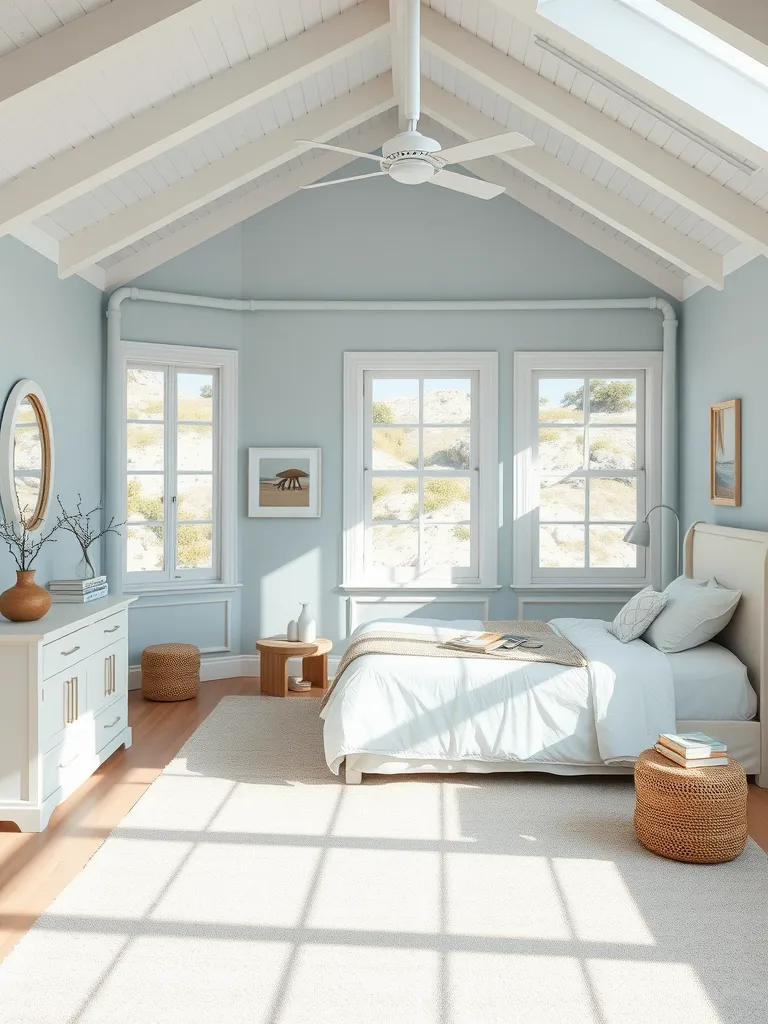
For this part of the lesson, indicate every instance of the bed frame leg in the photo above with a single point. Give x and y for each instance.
(351, 777)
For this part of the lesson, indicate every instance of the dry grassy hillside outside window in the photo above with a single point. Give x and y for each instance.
(587, 465)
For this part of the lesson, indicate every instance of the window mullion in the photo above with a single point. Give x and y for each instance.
(422, 479)
(171, 459)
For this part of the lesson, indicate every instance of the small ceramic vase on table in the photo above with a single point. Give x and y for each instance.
(307, 627)
(292, 632)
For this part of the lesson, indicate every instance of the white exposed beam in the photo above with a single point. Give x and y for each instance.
(609, 139)
(44, 244)
(230, 172)
(241, 209)
(742, 23)
(600, 202)
(92, 37)
(527, 194)
(73, 174)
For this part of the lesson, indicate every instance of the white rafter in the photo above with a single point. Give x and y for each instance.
(91, 37)
(135, 141)
(528, 195)
(230, 172)
(242, 208)
(599, 202)
(609, 139)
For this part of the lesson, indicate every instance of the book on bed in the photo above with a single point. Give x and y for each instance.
(477, 642)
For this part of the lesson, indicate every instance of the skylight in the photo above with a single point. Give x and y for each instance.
(699, 37)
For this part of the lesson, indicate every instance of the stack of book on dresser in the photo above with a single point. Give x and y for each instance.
(692, 749)
(78, 591)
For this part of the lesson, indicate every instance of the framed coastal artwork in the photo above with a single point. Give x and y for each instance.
(284, 483)
(725, 452)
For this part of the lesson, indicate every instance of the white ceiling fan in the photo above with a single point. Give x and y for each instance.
(412, 158)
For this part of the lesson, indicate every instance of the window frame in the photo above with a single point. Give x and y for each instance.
(529, 368)
(222, 364)
(359, 367)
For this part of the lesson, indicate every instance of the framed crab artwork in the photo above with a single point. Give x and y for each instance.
(284, 483)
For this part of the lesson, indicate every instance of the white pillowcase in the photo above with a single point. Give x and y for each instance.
(637, 614)
(696, 611)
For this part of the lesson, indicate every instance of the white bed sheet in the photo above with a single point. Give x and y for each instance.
(711, 685)
(486, 710)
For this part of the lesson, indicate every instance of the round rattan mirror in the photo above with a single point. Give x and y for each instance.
(26, 456)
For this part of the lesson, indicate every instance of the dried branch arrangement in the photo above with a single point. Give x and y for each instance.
(79, 524)
(24, 545)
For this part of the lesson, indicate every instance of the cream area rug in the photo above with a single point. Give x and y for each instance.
(250, 885)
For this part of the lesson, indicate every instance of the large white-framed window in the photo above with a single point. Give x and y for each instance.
(179, 468)
(587, 466)
(421, 470)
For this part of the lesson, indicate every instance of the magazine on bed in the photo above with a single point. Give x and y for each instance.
(487, 643)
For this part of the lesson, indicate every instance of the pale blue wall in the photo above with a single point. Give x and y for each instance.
(372, 240)
(51, 331)
(724, 354)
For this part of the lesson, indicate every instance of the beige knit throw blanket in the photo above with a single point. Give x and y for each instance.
(554, 647)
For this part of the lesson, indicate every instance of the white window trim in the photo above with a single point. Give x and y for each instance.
(356, 364)
(526, 365)
(225, 362)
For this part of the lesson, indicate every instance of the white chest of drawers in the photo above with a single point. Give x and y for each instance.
(63, 704)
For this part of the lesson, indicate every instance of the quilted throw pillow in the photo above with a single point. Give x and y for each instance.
(637, 614)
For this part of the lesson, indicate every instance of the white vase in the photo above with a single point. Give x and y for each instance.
(292, 633)
(307, 627)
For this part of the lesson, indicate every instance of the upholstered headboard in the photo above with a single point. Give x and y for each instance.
(739, 561)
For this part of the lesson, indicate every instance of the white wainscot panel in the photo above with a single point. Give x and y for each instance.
(571, 606)
(203, 621)
(365, 609)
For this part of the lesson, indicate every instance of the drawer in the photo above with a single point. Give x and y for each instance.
(109, 722)
(62, 704)
(106, 631)
(60, 766)
(74, 647)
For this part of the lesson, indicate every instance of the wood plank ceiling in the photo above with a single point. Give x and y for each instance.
(132, 130)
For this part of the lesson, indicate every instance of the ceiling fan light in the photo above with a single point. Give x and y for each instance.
(411, 172)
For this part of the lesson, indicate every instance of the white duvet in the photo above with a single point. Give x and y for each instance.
(462, 709)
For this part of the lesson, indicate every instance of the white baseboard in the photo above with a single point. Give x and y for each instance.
(229, 666)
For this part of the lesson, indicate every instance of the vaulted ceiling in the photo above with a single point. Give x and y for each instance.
(133, 130)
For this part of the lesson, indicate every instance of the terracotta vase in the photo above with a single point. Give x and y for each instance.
(25, 601)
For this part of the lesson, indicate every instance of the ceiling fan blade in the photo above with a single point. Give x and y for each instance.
(484, 147)
(340, 149)
(339, 181)
(469, 186)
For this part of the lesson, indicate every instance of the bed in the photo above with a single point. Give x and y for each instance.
(392, 714)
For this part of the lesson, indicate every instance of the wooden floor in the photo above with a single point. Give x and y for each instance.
(34, 868)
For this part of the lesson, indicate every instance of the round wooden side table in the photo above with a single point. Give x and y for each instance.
(275, 652)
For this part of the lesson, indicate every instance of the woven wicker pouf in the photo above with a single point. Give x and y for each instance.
(170, 672)
(698, 815)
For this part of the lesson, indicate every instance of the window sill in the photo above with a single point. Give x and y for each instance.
(421, 588)
(582, 587)
(200, 587)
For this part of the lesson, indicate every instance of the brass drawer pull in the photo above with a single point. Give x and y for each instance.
(67, 653)
(112, 630)
(68, 702)
(69, 762)
(111, 725)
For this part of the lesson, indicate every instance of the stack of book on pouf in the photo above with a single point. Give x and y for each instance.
(78, 591)
(692, 749)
